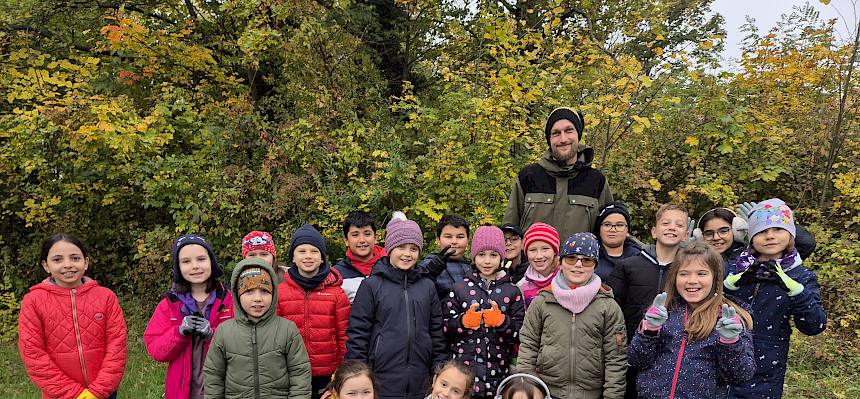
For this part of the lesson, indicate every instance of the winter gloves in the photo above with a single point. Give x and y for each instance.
(86, 394)
(764, 272)
(492, 317)
(438, 261)
(193, 324)
(656, 315)
(729, 327)
(187, 326)
(788, 284)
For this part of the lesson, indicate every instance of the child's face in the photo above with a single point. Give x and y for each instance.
(194, 264)
(613, 237)
(671, 229)
(450, 384)
(694, 282)
(255, 302)
(360, 241)
(404, 257)
(513, 246)
(578, 269)
(523, 395)
(66, 264)
(266, 256)
(358, 387)
(771, 243)
(456, 238)
(488, 262)
(308, 259)
(541, 257)
(717, 233)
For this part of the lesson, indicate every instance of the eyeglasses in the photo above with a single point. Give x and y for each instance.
(614, 227)
(722, 232)
(585, 260)
(512, 239)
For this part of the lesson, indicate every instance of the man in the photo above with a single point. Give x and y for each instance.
(562, 189)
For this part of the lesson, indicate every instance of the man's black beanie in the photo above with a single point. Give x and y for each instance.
(564, 113)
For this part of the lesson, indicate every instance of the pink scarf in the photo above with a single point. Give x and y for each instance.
(575, 299)
(533, 283)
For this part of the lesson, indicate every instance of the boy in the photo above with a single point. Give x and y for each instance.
(262, 354)
(359, 235)
(636, 280)
(452, 233)
(514, 251)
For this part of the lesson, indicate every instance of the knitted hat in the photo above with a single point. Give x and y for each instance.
(541, 232)
(189, 239)
(771, 213)
(488, 238)
(307, 234)
(254, 277)
(512, 228)
(401, 231)
(258, 240)
(564, 113)
(584, 244)
(608, 209)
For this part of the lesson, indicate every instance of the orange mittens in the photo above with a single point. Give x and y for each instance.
(493, 317)
(472, 318)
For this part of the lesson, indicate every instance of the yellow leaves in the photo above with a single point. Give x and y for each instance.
(39, 212)
(691, 141)
(655, 184)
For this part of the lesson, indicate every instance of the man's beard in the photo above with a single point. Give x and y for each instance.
(563, 159)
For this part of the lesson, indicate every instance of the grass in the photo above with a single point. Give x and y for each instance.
(824, 366)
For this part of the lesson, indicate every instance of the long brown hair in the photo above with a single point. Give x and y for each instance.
(702, 320)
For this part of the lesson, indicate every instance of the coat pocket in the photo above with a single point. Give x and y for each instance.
(538, 207)
(584, 209)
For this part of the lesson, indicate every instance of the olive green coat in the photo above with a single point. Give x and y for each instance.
(579, 356)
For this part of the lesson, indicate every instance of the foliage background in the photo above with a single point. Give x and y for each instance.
(130, 123)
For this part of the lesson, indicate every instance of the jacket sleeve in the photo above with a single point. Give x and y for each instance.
(605, 195)
(806, 308)
(614, 353)
(515, 204)
(617, 282)
(514, 316)
(298, 365)
(113, 365)
(736, 361)
(41, 369)
(215, 367)
(452, 311)
(361, 320)
(163, 341)
(342, 322)
(643, 350)
(436, 334)
(530, 337)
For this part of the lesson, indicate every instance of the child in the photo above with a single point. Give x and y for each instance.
(396, 320)
(487, 294)
(724, 231)
(541, 244)
(71, 332)
(573, 337)
(522, 386)
(257, 353)
(311, 297)
(183, 322)
(452, 234)
(612, 230)
(769, 275)
(260, 244)
(359, 235)
(692, 337)
(452, 380)
(353, 380)
(514, 251)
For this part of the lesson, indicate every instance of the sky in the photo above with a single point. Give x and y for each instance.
(768, 12)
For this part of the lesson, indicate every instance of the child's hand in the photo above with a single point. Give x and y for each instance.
(745, 210)
(439, 260)
(202, 327)
(787, 284)
(493, 317)
(656, 315)
(729, 327)
(188, 325)
(472, 318)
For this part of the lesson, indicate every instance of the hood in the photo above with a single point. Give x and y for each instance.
(650, 252)
(47, 285)
(334, 279)
(384, 269)
(584, 158)
(189, 239)
(238, 312)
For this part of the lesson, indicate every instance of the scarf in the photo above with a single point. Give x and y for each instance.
(534, 282)
(746, 259)
(189, 304)
(309, 283)
(365, 267)
(575, 299)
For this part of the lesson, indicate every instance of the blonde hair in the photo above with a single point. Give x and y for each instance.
(702, 320)
(666, 208)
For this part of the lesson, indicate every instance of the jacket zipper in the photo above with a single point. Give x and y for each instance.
(307, 315)
(572, 353)
(408, 331)
(680, 358)
(78, 339)
(256, 363)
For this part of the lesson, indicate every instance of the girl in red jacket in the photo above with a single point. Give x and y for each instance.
(71, 332)
(311, 296)
(186, 318)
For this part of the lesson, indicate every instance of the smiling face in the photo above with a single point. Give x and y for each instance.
(513, 245)
(404, 257)
(456, 238)
(360, 241)
(357, 387)
(563, 141)
(450, 384)
(695, 282)
(717, 233)
(255, 302)
(66, 264)
(578, 269)
(771, 243)
(671, 228)
(195, 264)
(308, 259)
(542, 258)
(488, 263)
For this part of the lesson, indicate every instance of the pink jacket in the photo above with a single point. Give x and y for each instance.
(165, 344)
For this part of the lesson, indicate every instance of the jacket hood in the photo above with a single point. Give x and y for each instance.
(385, 269)
(650, 252)
(240, 313)
(584, 158)
(47, 285)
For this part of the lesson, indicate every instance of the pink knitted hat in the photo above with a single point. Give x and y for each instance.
(488, 238)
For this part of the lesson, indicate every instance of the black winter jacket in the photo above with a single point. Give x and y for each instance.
(606, 264)
(635, 282)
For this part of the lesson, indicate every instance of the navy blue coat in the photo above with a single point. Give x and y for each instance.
(396, 328)
(771, 309)
(454, 272)
(606, 263)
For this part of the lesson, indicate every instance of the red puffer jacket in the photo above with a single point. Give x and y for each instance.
(321, 315)
(71, 339)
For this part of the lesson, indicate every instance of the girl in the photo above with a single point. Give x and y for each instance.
(541, 245)
(522, 386)
(352, 380)
(396, 320)
(573, 336)
(724, 231)
(71, 332)
(184, 321)
(770, 277)
(260, 244)
(452, 380)
(692, 338)
(484, 313)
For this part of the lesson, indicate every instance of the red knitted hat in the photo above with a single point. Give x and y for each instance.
(541, 232)
(258, 240)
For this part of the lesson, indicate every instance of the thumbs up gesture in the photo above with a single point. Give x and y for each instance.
(493, 317)
(472, 318)
(729, 327)
(656, 315)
